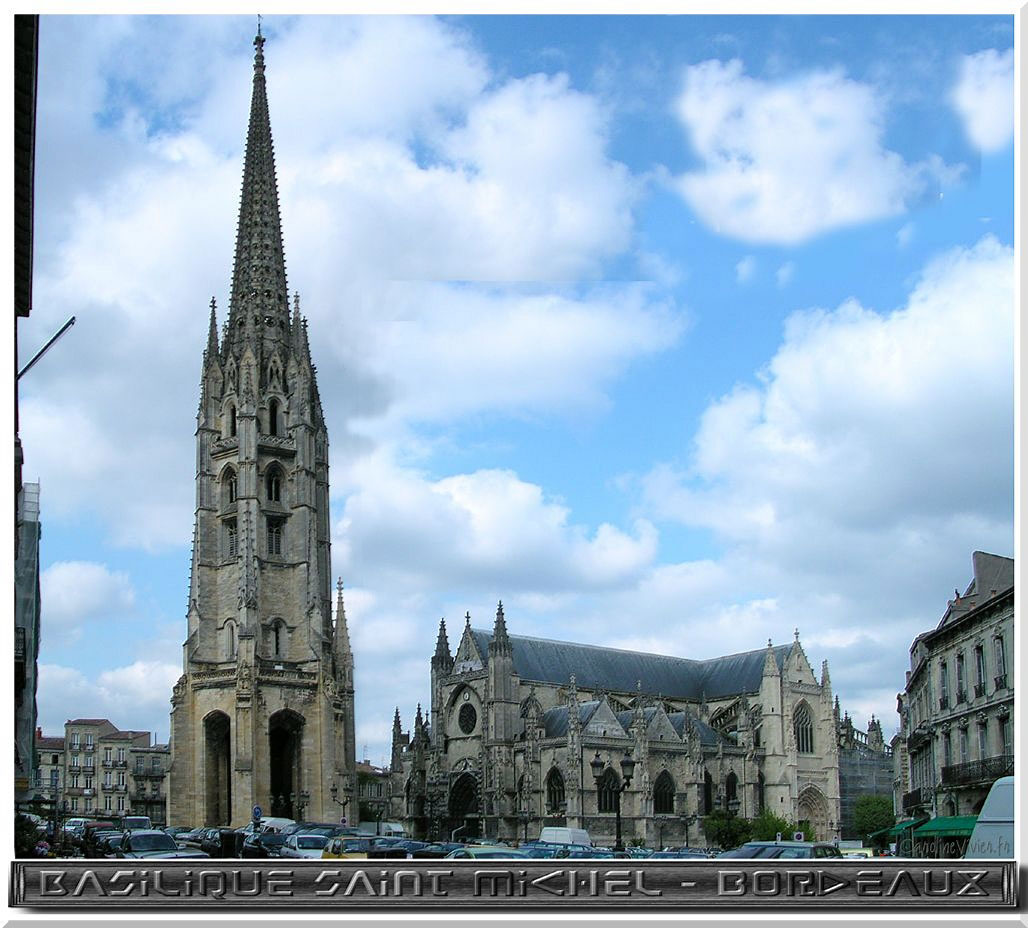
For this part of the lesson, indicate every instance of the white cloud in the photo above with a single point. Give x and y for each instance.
(131, 697)
(785, 161)
(872, 445)
(904, 234)
(785, 273)
(853, 397)
(487, 530)
(438, 171)
(76, 593)
(984, 97)
(745, 268)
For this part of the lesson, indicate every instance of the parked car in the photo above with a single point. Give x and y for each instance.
(154, 844)
(783, 850)
(210, 842)
(486, 852)
(177, 831)
(191, 838)
(109, 844)
(347, 848)
(89, 832)
(435, 851)
(681, 853)
(303, 845)
(137, 823)
(265, 844)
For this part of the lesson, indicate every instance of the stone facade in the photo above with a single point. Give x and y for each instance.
(99, 770)
(26, 637)
(263, 713)
(516, 722)
(957, 708)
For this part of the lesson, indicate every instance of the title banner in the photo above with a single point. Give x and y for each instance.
(636, 884)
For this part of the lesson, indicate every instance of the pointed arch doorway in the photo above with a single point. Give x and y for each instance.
(285, 752)
(217, 769)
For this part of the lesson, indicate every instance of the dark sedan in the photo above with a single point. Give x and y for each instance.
(783, 850)
(266, 844)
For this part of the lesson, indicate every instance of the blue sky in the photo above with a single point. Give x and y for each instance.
(675, 333)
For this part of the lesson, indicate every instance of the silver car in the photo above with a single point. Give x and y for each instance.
(303, 846)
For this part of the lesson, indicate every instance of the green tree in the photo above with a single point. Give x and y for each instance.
(724, 830)
(870, 814)
(767, 825)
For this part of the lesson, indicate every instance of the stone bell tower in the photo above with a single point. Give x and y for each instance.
(263, 713)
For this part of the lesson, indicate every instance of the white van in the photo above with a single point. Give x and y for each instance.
(566, 836)
(993, 835)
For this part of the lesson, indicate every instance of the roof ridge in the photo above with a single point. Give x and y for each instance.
(784, 648)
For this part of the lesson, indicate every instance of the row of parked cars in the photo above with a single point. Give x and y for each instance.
(283, 838)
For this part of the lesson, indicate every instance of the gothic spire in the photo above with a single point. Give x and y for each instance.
(397, 727)
(500, 643)
(258, 301)
(442, 644)
(342, 634)
(212, 334)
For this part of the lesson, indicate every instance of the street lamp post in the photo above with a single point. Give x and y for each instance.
(687, 820)
(623, 782)
(344, 803)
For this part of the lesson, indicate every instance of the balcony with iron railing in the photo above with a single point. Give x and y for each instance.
(986, 770)
(917, 798)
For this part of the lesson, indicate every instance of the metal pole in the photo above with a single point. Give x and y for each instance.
(617, 819)
(64, 328)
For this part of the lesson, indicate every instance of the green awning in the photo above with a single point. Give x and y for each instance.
(881, 833)
(949, 826)
(900, 827)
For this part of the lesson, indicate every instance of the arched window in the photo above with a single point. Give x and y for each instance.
(760, 792)
(731, 787)
(273, 485)
(273, 417)
(803, 726)
(664, 795)
(232, 421)
(708, 793)
(278, 638)
(275, 536)
(554, 790)
(230, 640)
(607, 792)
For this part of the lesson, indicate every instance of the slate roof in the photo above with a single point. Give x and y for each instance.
(993, 577)
(50, 743)
(544, 661)
(555, 720)
(88, 722)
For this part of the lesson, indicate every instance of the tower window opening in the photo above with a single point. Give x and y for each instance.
(273, 417)
(274, 536)
(274, 486)
(231, 539)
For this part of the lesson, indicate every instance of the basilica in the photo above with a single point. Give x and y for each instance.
(519, 727)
